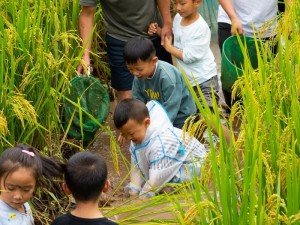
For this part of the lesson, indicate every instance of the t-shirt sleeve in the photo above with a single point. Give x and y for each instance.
(55, 222)
(29, 211)
(160, 173)
(197, 47)
(136, 177)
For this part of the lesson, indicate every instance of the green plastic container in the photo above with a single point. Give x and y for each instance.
(233, 59)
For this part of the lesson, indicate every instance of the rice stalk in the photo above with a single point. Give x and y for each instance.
(3, 124)
(23, 110)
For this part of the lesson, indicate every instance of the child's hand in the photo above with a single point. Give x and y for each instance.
(121, 139)
(154, 29)
(168, 43)
(146, 195)
(131, 190)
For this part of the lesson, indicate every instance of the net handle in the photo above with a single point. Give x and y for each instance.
(89, 71)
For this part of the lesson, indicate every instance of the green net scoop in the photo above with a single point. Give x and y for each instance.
(93, 98)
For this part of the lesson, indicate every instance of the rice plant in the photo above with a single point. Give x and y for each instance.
(40, 49)
(256, 179)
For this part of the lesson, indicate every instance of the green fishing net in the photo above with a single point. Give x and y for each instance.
(85, 96)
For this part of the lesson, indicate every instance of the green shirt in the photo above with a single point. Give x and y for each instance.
(125, 19)
(168, 87)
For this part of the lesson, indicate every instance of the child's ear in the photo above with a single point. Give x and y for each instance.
(106, 186)
(198, 2)
(66, 189)
(154, 59)
(147, 122)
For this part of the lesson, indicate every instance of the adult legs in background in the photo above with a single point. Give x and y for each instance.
(223, 34)
(121, 78)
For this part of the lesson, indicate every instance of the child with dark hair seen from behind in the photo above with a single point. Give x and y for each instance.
(21, 168)
(158, 80)
(85, 179)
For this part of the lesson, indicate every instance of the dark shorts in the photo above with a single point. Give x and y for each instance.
(207, 91)
(121, 78)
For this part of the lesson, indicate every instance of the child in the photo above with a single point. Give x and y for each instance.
(158, 80)
(20, 170)
(192, 47)
(85, 179)
(159, 153)
(192, 51)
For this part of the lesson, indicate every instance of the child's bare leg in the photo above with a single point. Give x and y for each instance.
(203, 127)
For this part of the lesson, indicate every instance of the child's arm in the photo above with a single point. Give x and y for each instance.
(171, 49)
(195, 48)
(160, 173)
(136, 180)
(154, 29)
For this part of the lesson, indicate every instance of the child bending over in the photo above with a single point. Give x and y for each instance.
(158, 80)
(159, 153)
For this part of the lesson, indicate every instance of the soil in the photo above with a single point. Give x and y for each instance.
(116, 174)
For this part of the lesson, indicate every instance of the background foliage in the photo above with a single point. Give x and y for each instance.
(254, 181)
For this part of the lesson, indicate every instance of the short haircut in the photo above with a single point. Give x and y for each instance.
(85, 176)
(138, 48)
(130, 109)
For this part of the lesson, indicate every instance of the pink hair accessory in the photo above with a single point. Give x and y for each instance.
(29, 153)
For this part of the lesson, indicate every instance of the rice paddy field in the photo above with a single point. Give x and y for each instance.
(255, 180)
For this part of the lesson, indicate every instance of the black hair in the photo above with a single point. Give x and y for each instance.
(130, 109)
(25, 156)
(85, 176)
(138, 48)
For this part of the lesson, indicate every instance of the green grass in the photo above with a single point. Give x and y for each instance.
(40, 49)
(254, 181)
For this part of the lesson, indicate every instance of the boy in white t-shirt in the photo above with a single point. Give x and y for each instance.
(192, 50)
(192, 47)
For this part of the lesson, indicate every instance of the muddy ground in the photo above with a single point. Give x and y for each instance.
(116, 174)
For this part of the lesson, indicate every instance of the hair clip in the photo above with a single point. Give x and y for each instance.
(29, 153)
